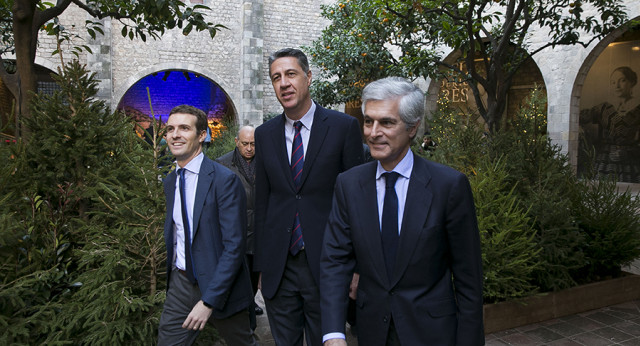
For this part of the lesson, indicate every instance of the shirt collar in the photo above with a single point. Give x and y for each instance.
(194, 165)
(404, 167)
(307, 118)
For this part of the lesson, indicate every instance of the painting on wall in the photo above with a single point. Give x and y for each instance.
(610, 114)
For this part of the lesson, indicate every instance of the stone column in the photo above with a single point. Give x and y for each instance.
(99, 60)
(252, 46)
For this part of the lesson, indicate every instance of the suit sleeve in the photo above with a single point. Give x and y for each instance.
(464, 243)
(261, 201)
(336, 265)
(232, 215)
(353, 151)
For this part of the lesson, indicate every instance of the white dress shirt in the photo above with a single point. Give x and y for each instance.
(404, 168)
(305, 131)
(192, 169)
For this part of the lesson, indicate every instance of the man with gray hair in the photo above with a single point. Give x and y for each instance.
(408, 226)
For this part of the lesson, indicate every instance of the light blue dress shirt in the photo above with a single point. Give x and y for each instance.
(191, 182)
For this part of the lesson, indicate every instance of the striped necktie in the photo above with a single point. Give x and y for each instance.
(297, 161)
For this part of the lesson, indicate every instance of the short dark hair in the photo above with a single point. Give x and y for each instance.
(201, 117)
(290, 52)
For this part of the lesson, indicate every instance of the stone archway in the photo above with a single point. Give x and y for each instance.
(528, 78)
(595, 107)
(154, 95)
(122, 88)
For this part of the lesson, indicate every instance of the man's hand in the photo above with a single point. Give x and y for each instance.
(335, 342)
(353, 288)
(198, 317)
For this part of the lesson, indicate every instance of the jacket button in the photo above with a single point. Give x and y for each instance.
(385, 319)
(298, 197)
(392, 292)
(288, 230)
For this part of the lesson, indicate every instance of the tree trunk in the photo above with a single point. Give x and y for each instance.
(25, 41)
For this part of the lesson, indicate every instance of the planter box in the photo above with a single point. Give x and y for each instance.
(547, 306)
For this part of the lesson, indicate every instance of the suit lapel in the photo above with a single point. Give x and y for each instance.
(417, 205)
(371, 223)
(205, 179)
(319, 130)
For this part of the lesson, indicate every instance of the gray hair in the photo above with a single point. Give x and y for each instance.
(411, 105)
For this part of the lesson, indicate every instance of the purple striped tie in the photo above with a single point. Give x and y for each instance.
(297, 161)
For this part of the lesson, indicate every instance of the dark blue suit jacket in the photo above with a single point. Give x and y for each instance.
(335, 145)
(439, 239)
(219, 232)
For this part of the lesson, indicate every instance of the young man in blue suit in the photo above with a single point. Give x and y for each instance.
(205, 226)
(299, 154)
(409, 227)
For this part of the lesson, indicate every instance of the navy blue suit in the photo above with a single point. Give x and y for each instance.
(439, 238)
(335, 145)
(219, 232)
(290, 282)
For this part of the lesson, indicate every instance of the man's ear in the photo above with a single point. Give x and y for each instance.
(414, 130)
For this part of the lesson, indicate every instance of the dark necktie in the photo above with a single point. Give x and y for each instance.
(390, 222)
(297, 161)
(187, 233)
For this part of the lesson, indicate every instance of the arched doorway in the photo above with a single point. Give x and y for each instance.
(157, 93)
(458, 95)
(609, 109)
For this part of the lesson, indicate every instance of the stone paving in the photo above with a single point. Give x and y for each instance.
(613, 325)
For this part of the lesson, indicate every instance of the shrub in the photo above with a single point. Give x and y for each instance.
(543, 181)
(509, 249)
(583, 230)
(223, 143)
(609, 220)
(82, 247)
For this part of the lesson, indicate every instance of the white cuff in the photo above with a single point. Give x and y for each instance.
(329, 336)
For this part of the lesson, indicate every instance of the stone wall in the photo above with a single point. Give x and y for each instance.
(236, 59)
(292, 24)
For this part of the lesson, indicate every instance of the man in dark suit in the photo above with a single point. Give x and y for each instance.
(208, 279)
(409, 227)
(298, 156)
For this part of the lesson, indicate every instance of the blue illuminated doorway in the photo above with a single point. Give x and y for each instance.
(170, 88)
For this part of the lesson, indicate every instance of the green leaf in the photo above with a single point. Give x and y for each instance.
(187, 29)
